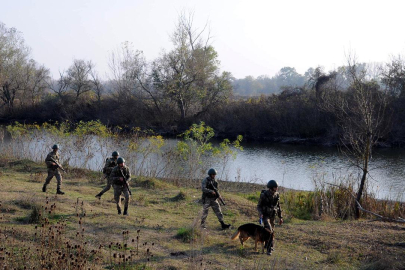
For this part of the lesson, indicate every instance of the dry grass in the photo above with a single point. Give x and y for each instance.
(78, 231)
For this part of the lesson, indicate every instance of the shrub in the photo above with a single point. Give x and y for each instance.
(149, 183)
(187, 234)
(35, 217)
(179, 197)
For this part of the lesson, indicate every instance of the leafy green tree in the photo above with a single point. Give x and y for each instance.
(288, 76)
(13, 58)
(59, 86)
(196, 148)
(189, 74)
(248, 86)
(21, 78)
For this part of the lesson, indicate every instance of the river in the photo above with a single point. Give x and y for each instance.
(293, 166)
(301, 166)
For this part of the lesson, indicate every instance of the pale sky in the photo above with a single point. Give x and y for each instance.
(253, 37)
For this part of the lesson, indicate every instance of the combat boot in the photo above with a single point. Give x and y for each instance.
(60, 192)
(269, 247)
(44, 188)
(225, 226)
(98, 196)
(119, 210)
(271, 244)
(125, 211)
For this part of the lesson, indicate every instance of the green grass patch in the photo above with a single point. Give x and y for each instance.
(187, 234)
(253, 197)
(149, 183)
(58, 217)
(230, 213)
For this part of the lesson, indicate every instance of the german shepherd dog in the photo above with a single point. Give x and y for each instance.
(257, 232)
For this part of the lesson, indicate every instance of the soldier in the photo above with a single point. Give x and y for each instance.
(120, 176)
(268, 205)
(110, 163)
(51, 161)
(209, 199)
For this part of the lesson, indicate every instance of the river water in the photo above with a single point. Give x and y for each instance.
(301, 166)
(293, 166)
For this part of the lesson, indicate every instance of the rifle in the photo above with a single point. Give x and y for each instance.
(126, 183)
(219, 197)
(57, 164)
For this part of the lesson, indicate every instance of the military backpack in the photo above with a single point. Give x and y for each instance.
(269, 203)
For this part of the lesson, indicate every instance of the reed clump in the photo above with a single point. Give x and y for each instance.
(338, 202)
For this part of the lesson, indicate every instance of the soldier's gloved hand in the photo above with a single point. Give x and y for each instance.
(213, 193)
(281, 221)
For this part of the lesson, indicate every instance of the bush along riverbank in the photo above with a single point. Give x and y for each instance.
(77, 231)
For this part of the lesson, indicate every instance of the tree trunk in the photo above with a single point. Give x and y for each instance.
(182, 110)
(364, 176)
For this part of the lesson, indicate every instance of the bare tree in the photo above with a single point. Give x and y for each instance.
(78, 77)
(98, 87)
(393, 76)
(34, 82)
(133, 79)
(360, 113)
(59, 86)
(127, 66)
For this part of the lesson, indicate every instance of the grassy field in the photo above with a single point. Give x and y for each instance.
(77, 231)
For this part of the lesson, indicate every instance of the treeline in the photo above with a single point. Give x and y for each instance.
(286, 77)
(185, 85)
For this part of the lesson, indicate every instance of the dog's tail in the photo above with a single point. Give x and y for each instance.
(235, 235)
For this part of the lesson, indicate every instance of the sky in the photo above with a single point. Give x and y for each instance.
(252, 37)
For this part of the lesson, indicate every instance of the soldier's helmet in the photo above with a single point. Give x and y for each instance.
(120, 160)
(272, 184)
(212, 171)
(55, 146)
(115, 154)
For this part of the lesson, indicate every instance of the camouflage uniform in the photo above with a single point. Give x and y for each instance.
(210, 200)
(52, 170)
(268, 205)
(119, 187)
(110, 163)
